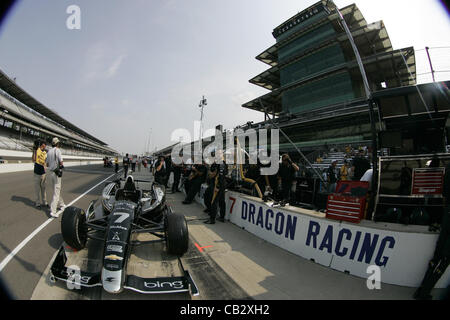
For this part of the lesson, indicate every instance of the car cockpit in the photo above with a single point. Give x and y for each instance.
(129, 191)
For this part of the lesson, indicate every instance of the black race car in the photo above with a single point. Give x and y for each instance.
(126, 207)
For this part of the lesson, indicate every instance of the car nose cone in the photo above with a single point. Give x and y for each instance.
(112, 280)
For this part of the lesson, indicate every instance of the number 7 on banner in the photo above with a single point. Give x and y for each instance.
(232, 205)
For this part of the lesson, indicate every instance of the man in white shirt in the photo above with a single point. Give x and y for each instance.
(368, 177)
(55, 161)
(133, 163)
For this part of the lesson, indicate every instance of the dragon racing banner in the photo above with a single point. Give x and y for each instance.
(401, 253)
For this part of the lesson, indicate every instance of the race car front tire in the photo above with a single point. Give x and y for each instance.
(73, 227)
(177, 236)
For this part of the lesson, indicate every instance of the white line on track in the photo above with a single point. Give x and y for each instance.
(42, 226)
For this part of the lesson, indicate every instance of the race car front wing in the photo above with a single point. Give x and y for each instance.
(76, 279)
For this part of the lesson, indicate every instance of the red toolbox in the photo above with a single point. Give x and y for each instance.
(350, 203)
(428, 181)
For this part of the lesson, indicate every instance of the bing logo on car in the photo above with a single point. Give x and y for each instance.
(113, 257)
(158, 284)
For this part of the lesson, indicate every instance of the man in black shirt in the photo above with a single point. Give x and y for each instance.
(126, 163)
(161, 171)
(207, 197)
(286, 175)
(176, 176)
(361, 165)
(332, 178)
(168, 162)
(220, 170)
(196, 178)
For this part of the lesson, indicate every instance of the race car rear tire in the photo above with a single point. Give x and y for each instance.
(73, 227)
(177, 236)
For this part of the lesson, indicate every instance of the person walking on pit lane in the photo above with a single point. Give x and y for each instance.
(133, 163)
(39, 157)
(116, 164)
(55, 164)
(126, 163)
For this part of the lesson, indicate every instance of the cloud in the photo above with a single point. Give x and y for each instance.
(100, 64)
(112, 70)
(95, 55)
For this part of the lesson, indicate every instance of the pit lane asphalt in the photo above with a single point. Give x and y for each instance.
(19, 218)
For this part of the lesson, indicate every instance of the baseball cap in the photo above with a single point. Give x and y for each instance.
(55, 140)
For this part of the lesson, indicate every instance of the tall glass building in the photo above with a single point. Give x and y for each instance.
(314, 79)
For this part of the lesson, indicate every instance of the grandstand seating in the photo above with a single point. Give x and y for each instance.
(25, 143)
(328, 160)
(13, 144)
(338, 156)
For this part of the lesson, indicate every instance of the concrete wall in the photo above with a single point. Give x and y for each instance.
(27, 155)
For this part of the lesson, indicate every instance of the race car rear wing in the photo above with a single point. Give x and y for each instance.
(76, 279)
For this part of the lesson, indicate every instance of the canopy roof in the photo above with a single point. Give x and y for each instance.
(388, 67)
(351, 14)
(369, 39)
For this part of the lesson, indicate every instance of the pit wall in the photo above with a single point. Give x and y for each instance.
(16, 167)
(402, 252)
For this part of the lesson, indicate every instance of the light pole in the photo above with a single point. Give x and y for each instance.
(201, 105)
(149, 141)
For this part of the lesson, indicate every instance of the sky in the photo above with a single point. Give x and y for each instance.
(136, 70)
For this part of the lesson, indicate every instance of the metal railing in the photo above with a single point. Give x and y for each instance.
(432, 64)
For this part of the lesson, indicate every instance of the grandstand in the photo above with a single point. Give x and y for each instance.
(316, 89)
(23, 120)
